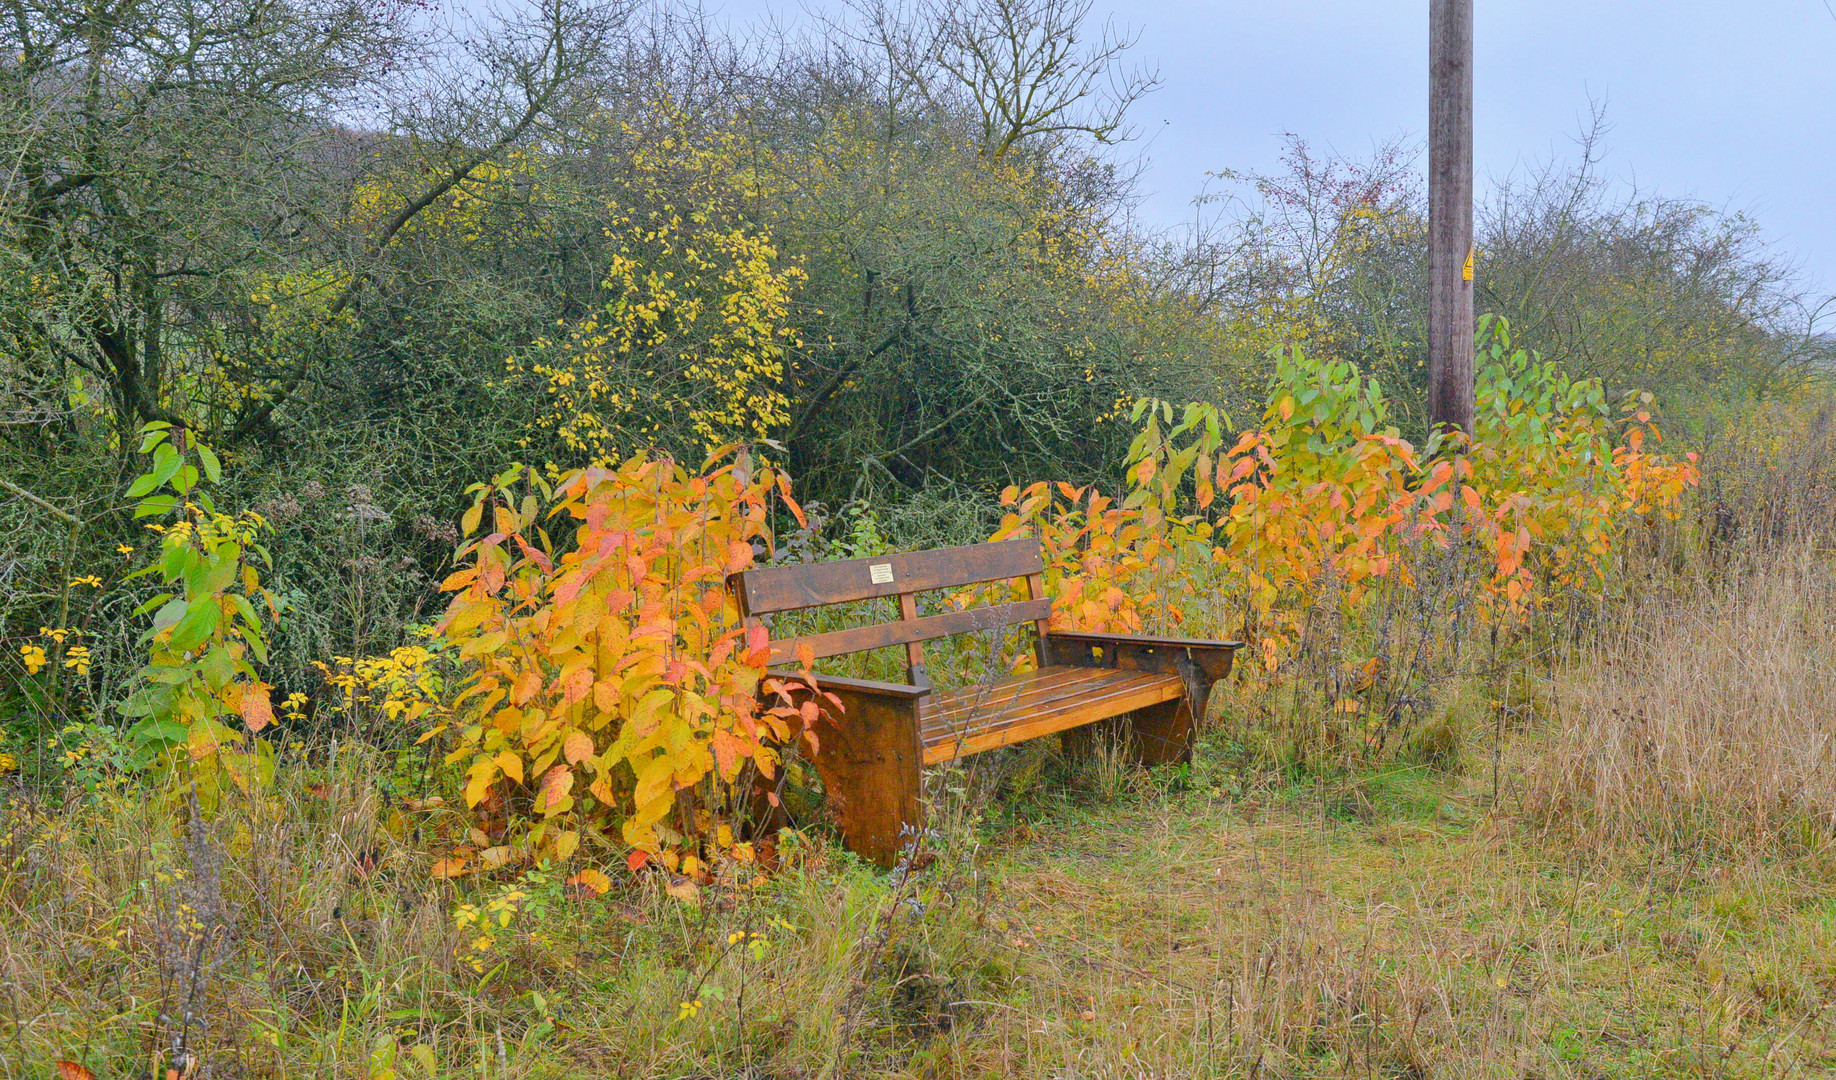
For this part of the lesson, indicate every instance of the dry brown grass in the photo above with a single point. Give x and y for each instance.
(1386, 924)
(1707, 716)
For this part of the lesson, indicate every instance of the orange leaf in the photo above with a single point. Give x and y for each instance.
(594, 881)
(450, 867)
(578, 748)
(729, 751)
(534, 555)
(70, 1070)
(806, 655)
(784, 493)
(555, 787)
(257, 711)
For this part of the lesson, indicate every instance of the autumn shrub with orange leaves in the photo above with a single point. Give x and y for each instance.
(1325, 505)
(612, 697)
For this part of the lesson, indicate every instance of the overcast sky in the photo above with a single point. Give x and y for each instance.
(1730, 101)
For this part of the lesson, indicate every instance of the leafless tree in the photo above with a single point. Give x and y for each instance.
(1027, 69)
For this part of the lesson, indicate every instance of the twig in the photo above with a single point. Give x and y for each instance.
(42, 504)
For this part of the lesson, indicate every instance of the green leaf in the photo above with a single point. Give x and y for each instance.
(157, 733)
(167, 676)
(156, 504)
(186, 479)
(212, 467)
(178, 562)
(218, 577)
(153, 603)
(148, 701)
(169, 614)
(152, 434)
(246, 610)
(218, 667)
(199, 623)
(166, 464)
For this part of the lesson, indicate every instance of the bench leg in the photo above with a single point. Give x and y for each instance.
(1157, 735)
(1164, 733)
(870, 763)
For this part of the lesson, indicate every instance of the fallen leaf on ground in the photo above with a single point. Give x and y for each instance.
(591, 880)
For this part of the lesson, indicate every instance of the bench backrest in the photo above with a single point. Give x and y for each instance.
(774, 589)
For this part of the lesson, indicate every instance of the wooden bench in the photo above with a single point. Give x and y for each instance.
(872, 756)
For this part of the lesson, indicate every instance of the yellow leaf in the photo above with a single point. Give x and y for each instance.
(511, 764)
(206, 738)
(579, 747)
(484, 774)
(684, 889)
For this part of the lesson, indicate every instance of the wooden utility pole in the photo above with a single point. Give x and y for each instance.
(1450, 214)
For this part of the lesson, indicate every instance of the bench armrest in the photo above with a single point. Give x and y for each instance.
(869, 687)
(1143, 639)
(1212, 659)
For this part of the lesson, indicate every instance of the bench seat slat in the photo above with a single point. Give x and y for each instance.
(949, 707)
(970, 710)
(1029, 706)
(878, 636)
